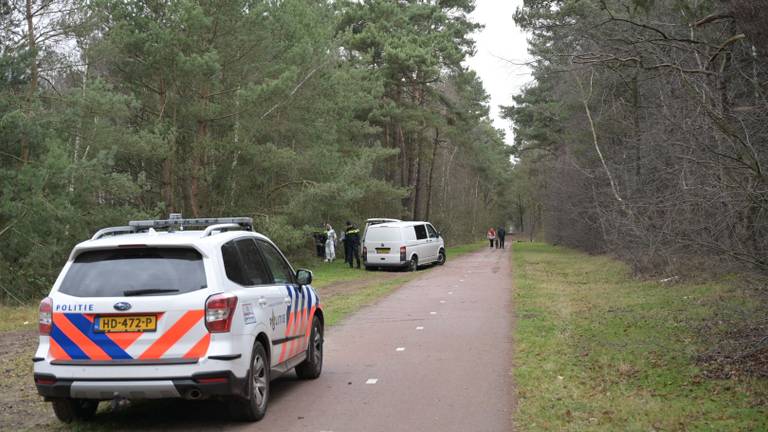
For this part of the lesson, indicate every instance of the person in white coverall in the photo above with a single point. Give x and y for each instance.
(330, 244)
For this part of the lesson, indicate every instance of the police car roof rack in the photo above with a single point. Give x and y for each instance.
(113, 231)
(177, 222)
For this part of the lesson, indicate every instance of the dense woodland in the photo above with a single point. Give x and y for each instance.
(644, 132)
(294, 112)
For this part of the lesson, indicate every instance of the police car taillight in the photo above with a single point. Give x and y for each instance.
(402, 253)
(46, 316)
(219, 311)
(365, 253)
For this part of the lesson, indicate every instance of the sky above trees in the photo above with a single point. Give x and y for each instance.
(502, 51)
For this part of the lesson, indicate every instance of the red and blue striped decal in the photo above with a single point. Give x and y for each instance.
(73, 337)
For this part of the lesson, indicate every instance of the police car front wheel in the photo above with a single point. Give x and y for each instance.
(68, 410)
(313, 365)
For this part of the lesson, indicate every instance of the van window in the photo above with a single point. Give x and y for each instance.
(432, 231)
(421, 232)
(135, 271)
(383, 234)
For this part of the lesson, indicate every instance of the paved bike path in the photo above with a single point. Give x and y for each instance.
(433, 356)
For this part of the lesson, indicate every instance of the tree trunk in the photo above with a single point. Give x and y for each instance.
(32, 46)
(167, 187)
(417, 185)
(430, 179)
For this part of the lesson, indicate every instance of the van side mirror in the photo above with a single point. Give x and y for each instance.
(303, 276)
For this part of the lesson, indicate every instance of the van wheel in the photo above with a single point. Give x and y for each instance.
(68, 410)
(413, 264)
(254, 406)
(313, 365)
(441, 257)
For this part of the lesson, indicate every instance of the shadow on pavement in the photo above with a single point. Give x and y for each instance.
(177, 414)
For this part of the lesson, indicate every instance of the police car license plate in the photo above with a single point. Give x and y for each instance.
(382, 250)
(126, 323)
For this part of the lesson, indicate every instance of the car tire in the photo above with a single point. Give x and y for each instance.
(254, 406)
(441, 258)
(413, 264)
(313, 365)
(68, 410)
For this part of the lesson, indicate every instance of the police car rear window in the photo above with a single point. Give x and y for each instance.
(135, 272)
(379, 234)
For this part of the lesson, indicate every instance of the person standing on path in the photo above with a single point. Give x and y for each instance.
(330, 243)
(352, 234)
(500, 234)
(491, 235)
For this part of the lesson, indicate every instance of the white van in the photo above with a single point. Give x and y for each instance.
(375, 221)
(403, 244)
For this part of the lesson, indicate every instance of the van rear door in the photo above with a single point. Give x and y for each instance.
(383, 244)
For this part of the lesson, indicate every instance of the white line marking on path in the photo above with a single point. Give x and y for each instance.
(450, 292)
(372, 381)
(442, 301)
(433, 313)
(400, 349)
(420, 328)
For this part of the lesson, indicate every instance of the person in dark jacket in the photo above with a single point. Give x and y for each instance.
(500, 234)
(352, 235)
(320, 237)
(344, 244)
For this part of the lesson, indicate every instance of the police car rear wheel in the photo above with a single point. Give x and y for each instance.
(254, 407)
(68, 410)
(313, 365)
(441, 258)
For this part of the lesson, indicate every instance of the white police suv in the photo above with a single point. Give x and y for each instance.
(156, 310)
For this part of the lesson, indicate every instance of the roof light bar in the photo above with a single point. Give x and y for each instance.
(177, 222)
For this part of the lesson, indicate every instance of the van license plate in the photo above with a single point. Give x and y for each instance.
(382, 250)
(126, 323)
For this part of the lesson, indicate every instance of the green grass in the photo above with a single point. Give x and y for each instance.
(15, 317)
(597, 350)
(325, 274)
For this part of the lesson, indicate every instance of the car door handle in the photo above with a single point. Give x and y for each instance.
(287, 301)
(263, 302)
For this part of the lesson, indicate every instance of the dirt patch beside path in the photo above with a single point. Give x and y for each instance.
(20, 406)
(351, 286)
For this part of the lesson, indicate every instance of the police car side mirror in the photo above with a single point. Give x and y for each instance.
(303, 276)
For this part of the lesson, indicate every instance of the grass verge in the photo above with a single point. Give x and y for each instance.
(597, 350)
(18, 318)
